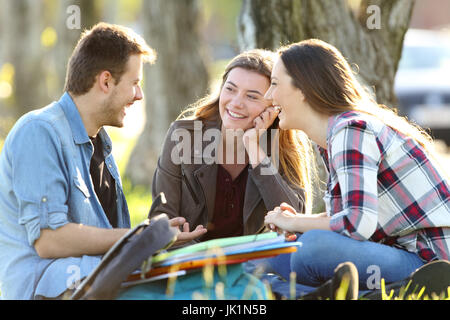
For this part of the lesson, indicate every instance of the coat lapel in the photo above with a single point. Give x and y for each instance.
(206, 176)
(252, 198)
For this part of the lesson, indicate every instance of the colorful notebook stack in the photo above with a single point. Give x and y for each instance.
(216, 252)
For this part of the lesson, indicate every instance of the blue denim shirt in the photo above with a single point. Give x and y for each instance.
(45, 183)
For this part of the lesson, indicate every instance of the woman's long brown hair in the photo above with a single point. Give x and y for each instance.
(330, 87)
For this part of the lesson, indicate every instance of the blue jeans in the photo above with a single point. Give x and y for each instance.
(322, 251)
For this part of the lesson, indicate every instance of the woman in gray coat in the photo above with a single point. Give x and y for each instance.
(225, 162)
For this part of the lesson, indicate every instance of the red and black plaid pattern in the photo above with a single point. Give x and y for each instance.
(383, 187)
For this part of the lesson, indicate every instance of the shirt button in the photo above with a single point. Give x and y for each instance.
(44, 199)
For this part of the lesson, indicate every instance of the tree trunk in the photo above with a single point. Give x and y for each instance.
(372, 41)
(22, 25)
(178, 78)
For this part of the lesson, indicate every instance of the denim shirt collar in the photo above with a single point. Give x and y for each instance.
(107, 143)
(79, 132)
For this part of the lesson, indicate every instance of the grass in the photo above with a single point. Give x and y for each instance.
(139, 200)
(418, 294)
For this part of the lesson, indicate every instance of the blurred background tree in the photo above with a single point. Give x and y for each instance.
(35, 51)
(22, 65)
(178, 78)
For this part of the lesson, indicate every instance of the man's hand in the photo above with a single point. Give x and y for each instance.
(185, 235)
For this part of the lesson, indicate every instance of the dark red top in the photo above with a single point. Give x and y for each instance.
(229, 206)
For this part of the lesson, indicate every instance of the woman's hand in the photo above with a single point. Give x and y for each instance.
(251, 136)
(280, 220)
(287, 219)
(186, 235)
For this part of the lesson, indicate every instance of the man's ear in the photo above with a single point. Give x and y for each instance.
(105, 81)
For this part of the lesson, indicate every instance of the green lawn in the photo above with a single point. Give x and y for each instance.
(139, 200)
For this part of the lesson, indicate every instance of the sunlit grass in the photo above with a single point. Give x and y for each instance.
(139, 200)
(417, 294)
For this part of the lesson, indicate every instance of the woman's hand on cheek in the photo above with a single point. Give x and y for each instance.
(251, 136)
(265, 119)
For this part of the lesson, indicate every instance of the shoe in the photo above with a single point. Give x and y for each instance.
(434, 276)
(343, 286)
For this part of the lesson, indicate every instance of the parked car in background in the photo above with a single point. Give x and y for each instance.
(422, 82)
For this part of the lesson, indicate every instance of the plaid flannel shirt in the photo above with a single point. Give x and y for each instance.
(382, 187)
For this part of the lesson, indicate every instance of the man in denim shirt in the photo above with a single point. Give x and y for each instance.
(53, 224)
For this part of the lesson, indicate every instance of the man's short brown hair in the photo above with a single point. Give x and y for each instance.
(104, 47)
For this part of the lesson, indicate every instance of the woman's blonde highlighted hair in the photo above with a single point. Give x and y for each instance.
(296, 156)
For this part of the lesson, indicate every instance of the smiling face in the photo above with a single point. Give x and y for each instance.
(242, 98)
(293, 106)
(124, 93)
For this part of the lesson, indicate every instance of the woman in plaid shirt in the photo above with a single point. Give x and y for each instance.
(387, 200)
